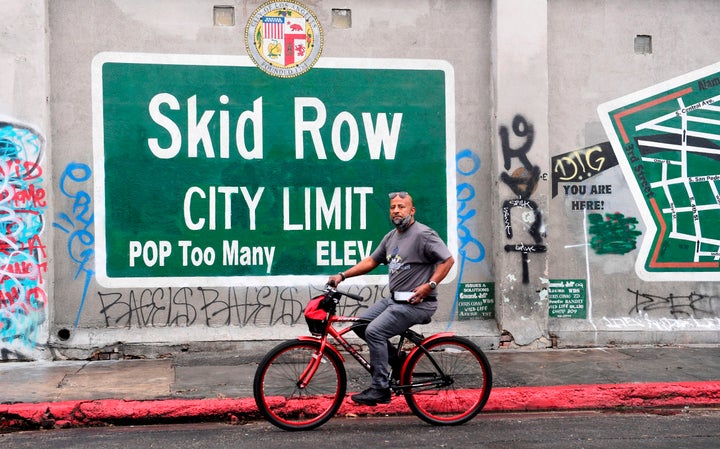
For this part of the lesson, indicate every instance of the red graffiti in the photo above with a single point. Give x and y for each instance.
(8, 244)
(31, 197)
(35, 244)
(35, 299)
(24, 170)
(26, 270)
(9, 298)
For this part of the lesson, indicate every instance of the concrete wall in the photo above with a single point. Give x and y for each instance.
(592, 58)
(26, 301)
(529, 76)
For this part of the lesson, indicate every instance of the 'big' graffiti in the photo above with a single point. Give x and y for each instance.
(23, 257)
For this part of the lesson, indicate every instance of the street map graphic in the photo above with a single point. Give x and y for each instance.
(667, 141)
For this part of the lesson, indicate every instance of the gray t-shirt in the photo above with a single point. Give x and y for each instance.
(411, 256)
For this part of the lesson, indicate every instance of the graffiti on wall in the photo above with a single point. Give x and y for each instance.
(613, 233)
(692, 305)
(211, 307)
(644, 322)
(573, 170)
(523, 182)
(610, 232)
(470, 249)
(77, 225)
(578, 166)
(23, 201)
(693, 311)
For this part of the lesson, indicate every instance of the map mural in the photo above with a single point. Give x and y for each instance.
(667, 141)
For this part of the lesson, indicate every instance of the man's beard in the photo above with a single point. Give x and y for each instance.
(402, 224)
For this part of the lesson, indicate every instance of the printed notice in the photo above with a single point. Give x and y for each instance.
(476, 301)
(568, 298)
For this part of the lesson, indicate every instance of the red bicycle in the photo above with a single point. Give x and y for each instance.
(300, 384)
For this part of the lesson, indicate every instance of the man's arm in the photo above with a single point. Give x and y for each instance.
(364, 266)
(441, 270)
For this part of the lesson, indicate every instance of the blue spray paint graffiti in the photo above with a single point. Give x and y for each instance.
(23, 299)
(470, 249)
(81, 241)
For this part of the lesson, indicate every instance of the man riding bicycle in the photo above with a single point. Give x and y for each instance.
(418, 260)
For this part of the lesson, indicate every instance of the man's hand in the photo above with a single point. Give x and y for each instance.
(420, 293)
(335, 280)
(441, 270)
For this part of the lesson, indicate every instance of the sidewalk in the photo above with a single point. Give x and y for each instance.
(202, 387)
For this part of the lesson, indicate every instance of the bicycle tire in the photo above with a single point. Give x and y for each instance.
(282, 402)
(462, 400)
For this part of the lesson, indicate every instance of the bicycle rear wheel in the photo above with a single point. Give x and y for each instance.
(283, 402)
(468, 375)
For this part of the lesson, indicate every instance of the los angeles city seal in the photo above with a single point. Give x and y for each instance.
(283, 38)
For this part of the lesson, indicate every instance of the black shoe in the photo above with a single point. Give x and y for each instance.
(372, 396)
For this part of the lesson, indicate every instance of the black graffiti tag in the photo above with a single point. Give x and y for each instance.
(523, 182)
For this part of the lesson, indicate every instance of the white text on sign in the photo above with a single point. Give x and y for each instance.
(344, 209)
(382, 136)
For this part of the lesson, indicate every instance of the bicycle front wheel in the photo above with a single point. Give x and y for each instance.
(281, 399)
(450, 383)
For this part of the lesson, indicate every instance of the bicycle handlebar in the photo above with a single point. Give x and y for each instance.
(331, 289)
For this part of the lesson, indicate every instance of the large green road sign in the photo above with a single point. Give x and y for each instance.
(667, 140)
(210, 172)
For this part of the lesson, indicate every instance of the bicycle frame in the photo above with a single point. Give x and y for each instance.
(338, 336)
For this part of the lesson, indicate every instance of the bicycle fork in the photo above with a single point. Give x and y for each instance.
(312, 367)
(309, 370)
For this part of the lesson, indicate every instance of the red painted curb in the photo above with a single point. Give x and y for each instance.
(567, 397)
(605, 396)
(578, 397)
